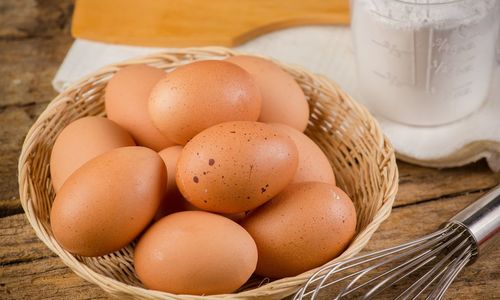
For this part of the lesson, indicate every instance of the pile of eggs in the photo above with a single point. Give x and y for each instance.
(208, 169)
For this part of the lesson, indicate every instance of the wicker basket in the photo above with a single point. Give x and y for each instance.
(362, 158)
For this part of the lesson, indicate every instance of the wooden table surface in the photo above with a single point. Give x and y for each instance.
(34, 37)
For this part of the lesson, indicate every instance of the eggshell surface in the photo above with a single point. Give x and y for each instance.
(82, 140)
(283, 101)
(236, 166)
(126, 100)
(107, 202)
(173, 200)
(201, 94)
(304, 227)
(313, 163)
(195, 252)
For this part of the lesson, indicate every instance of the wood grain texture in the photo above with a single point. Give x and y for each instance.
(19, 242)
(27, 67)
(15, 122)
(419, 184)
(30, 18)
(46, 278)
(29, 270)
(198, 22)
(34, 37)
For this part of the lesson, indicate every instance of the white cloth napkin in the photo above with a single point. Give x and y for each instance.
(327, 50)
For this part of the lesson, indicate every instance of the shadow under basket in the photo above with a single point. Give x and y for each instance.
(362, 159)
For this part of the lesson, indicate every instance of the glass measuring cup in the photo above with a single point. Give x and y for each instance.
(424, 62)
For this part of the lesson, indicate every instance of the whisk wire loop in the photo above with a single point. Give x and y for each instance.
(434, 273)
(451, 272)
(439, 257)
(359, 260)
(403, 261)
(380, 287)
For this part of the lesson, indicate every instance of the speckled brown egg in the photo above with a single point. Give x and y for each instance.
(173, 201)
(108, 201)
(196, 253)
(313, 163)
(236, 166)
(305, 226)
(283, 101)
(81, 141)
(201, 94)
(126, 100)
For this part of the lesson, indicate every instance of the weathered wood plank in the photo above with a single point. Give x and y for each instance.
(14, 124)
(422, 184)
(28, 265)
(30, 18)
(27, 68)
(18, 241)
(10, 206)
(46, 278)
(29, 270)
(413, 221)
(34, 38)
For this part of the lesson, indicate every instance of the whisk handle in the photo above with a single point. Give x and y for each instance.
(482, 219)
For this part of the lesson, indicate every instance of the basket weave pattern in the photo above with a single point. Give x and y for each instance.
(362, 158)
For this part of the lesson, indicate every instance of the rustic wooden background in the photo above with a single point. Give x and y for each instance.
(34, 37)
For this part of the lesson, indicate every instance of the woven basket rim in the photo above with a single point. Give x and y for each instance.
(281, 287)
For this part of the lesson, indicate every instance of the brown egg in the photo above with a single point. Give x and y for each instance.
(236, 166)
(108, 201)
(313, 163)
(81, 141)
(201, 94)
(172, 201)
(305, 226)
(196, 253)
(283, 101)
(126, 99)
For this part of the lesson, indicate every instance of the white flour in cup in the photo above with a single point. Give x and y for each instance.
(425, 62)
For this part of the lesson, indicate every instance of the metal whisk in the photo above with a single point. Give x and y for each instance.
(434, 260)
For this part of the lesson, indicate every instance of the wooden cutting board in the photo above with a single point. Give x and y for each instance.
(181, 23)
